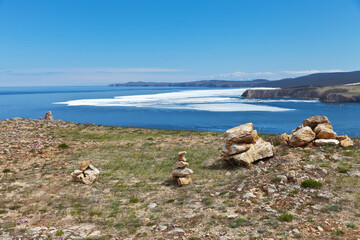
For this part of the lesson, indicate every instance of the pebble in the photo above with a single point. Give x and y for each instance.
(241, 186)
(152, 205)
(176, 230)
(249, 195)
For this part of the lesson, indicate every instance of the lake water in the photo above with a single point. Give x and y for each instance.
(211, 109)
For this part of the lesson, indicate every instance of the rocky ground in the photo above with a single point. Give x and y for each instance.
(135, 197)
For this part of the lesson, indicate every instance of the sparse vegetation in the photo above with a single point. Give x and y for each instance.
(238, 222)
(286, 217)
(63, 146)
(311, 184)
(135, 167)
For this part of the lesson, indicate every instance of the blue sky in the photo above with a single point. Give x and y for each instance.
(87, 42)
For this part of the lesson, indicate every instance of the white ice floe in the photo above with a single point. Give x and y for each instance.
(220, 100)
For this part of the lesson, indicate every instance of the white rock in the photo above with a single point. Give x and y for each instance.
(249, 195)
(322, 142)
(152, 205)
(176, 230)
(241, 186)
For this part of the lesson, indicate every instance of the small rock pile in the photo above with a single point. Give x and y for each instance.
(317, 130)
(244, 146)
(181, 172)
(86, 173)
(49, 116)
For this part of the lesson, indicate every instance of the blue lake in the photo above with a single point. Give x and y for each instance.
(211, 109)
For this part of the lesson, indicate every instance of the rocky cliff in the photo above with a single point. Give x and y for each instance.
(328, 94)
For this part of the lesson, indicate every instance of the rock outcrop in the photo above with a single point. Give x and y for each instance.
(86, 173)
(181, 172)
(317, 130)
(244, 146)
(49, 116)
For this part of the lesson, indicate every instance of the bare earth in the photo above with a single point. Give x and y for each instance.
(135, 197)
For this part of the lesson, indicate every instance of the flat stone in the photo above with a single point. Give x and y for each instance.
(176, 230)
(323, 142)
(181, 164)
(230, 148)
(182, 172)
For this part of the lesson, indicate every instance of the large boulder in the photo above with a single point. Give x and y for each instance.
(345, 141)
(241, 134)
(315, 120)
(325, 131)
(259, 150)
(302, 136)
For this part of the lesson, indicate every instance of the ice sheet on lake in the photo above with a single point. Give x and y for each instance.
(219, 100)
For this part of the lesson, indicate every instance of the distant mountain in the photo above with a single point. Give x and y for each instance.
(203, 83)
(312, 80)
(316, 80)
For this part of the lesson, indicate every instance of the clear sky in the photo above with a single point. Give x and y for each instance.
(88, 42)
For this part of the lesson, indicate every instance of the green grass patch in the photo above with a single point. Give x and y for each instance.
(276, 180)
(311, 184)
(63, 146)
(286, 217)
(238, 222)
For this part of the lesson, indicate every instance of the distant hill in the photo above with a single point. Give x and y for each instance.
(312, 80)
(316, 80)
(203, 83)
(339, 93)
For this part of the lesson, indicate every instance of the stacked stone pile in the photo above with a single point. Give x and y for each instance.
(181, 172)
(317, 130)
(244, 146)
(86, 173)
(49, 116)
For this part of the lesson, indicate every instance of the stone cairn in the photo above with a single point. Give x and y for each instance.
(317, 130)
(244, 146)
(86, 173)
(49, 116)
(181, 172)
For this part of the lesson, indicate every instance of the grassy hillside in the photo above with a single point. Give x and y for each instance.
(136, 198)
